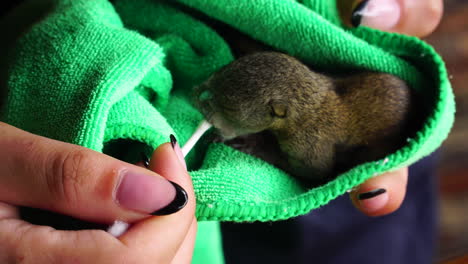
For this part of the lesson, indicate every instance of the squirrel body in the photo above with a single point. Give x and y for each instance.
(320, 123)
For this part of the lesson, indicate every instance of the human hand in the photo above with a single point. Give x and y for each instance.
(72, 180)
(411, 17)
(384, 194)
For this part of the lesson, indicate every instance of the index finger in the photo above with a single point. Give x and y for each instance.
(165, 233)
(43, 173)
(155, 240)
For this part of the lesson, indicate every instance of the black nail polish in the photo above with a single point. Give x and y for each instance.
(178, 203)
(173, 140)
(371, 194)
(356, 17)
(144, 159)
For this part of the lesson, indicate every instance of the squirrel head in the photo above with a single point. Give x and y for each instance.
(257, 92)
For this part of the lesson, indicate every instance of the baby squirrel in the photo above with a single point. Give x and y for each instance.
(322, 124)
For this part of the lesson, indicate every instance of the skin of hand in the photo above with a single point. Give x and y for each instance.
(402, 16)
(384, 194)
(69, 179)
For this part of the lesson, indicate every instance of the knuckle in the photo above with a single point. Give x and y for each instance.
(68, 172)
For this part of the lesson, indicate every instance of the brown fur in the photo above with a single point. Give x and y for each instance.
(320, 123)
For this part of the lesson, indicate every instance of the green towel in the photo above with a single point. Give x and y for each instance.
(99, 75)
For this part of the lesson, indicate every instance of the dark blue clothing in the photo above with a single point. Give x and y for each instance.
(338, 233)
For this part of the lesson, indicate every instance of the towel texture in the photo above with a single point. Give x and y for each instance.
(98, 74)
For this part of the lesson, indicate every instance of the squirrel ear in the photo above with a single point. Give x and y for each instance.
(278, 109)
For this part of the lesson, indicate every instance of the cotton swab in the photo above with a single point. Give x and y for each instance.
(118, 228)
(201, 129)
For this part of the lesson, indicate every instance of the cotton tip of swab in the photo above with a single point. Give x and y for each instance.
(201, 129)
(118, 228)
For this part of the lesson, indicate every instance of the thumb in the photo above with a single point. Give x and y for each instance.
(169, 235)
(43, 173)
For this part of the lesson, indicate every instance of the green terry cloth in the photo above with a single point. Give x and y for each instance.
(116, 79)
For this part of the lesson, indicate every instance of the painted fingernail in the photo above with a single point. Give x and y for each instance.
(178, 203)
(177, 150)
(144, 160)
(149, 194)
(373, 200)
(378, 14)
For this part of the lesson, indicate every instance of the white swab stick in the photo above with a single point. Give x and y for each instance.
(201, 129)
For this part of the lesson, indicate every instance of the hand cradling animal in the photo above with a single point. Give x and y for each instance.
(322, 125)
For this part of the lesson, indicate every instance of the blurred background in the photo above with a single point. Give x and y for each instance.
(451, 41)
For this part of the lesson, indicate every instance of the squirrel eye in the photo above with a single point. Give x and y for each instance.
(205, 95)
(278, 109)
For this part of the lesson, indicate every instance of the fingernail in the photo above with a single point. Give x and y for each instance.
(178, 203)
(373, 200)
(144, 160)
(150, 194)
(378, 14)
(177, 150)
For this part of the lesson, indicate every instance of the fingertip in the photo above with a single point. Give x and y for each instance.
(168, 162)
(419, 18)
(374, 202)
(381, 195)
(165, 158)
(171, 228)
(410, 17)
(378, 14)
